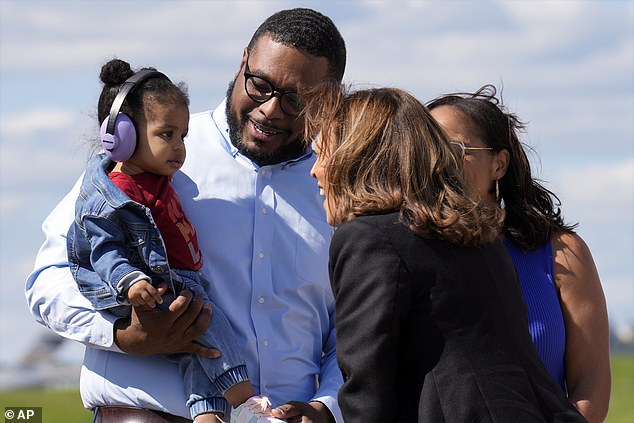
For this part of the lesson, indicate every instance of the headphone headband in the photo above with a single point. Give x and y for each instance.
(125, 89)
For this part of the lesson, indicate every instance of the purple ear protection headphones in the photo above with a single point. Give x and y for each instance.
(118, 133)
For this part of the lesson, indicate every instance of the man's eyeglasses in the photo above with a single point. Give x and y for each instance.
(260, 90)
(463, 150)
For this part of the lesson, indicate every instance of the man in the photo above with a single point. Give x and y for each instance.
(261, 226)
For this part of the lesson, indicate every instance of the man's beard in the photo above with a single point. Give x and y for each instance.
(287, 152)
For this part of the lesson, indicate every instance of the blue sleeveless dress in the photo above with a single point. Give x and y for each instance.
(545, 318)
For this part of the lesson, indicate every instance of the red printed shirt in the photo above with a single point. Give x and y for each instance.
(156, 193)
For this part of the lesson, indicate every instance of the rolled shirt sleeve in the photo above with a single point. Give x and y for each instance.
(51, 292)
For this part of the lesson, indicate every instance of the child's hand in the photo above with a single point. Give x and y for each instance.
(143, 294)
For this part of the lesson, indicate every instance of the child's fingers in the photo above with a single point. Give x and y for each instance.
(162, 288)
(157, 297)
(148, 297)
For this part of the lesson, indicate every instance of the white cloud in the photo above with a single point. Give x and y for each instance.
(61, 35)
(619, 296)
(35, 120)
(601, 187)
(600, 197)
(43, 151)
(580, 50)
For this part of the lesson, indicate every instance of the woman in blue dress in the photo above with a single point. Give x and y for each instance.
(561, 287)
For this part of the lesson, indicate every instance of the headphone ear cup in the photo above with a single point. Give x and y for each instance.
(119, 145)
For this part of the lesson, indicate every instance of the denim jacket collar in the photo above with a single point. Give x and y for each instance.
(98, 169)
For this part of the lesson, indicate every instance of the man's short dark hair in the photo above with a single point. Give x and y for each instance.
(308, 30)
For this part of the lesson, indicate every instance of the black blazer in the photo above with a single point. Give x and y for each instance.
(433, 332)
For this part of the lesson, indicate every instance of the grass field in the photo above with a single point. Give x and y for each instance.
(622, 398)
(58, 406)
(64, 406)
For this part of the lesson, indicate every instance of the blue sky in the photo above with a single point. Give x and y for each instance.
(565, 66)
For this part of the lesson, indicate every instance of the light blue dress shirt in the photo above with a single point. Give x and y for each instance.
(264, 237)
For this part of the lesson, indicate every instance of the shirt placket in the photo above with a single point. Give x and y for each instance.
(262, 289)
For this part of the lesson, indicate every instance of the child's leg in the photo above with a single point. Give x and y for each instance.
(209, 418)
(204, 399)
(229, 372)
(239, 393)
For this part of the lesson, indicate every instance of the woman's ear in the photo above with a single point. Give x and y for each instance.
(501, 163)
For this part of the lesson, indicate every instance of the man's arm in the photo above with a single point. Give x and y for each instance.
(55, 301)
(323, 408)
(330, 379)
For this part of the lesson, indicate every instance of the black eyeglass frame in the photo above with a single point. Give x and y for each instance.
(462, 149)
(269, 93)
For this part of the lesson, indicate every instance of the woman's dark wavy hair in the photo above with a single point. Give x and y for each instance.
(533, 213)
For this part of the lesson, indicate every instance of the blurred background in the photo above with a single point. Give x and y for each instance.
(565, 67)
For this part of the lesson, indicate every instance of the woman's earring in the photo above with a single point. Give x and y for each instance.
(497, 190)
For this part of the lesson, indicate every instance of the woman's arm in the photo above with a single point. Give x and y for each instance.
(365, 277)
(587, 358)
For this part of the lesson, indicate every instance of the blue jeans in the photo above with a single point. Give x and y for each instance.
(205, 379)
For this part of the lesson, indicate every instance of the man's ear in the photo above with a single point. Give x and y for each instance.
(245, 54)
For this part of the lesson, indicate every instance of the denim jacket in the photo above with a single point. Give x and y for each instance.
(113, 240)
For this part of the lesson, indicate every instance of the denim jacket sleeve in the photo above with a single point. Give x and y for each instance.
(109, 255)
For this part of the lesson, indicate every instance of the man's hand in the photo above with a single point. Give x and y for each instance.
(296, 412)
(166, 331)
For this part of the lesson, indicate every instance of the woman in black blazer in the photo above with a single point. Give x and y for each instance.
(431, 325)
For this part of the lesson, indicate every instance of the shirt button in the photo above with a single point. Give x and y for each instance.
(261, 300)
(263, 210)
(262, 171)
(266, 343)
(261, 255)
